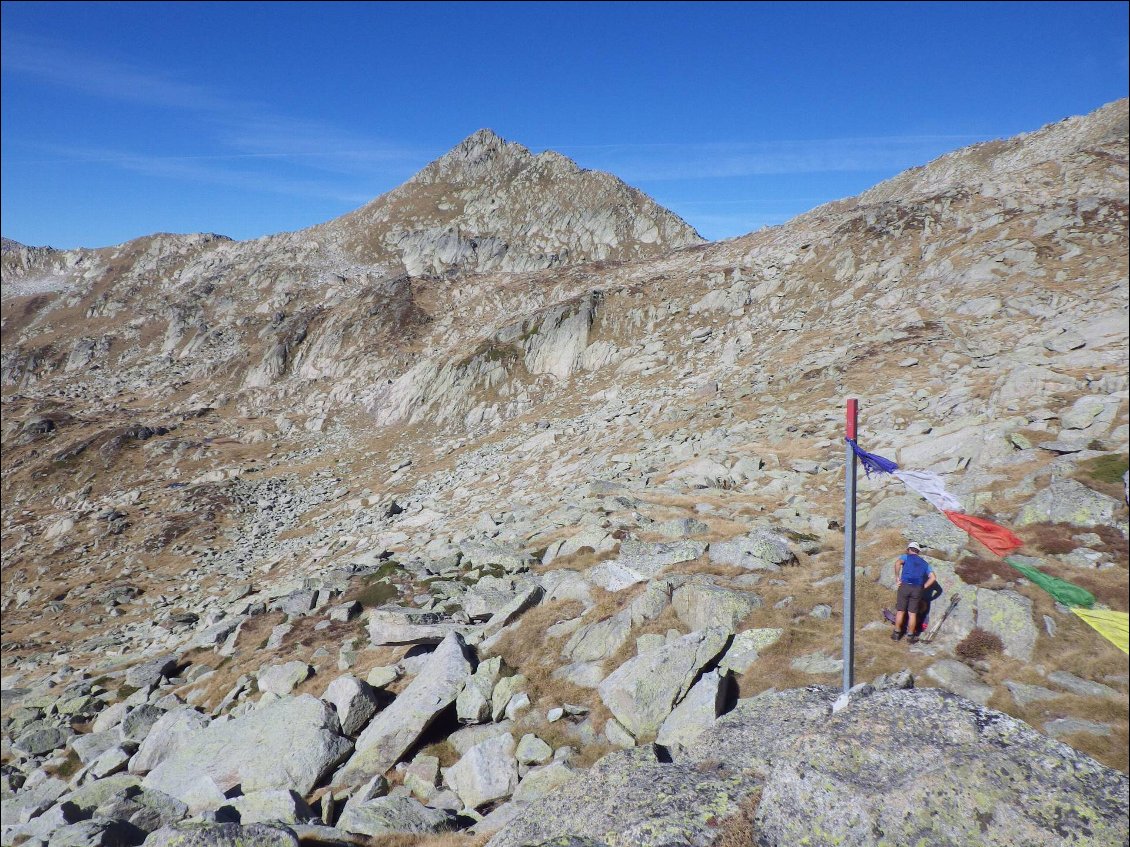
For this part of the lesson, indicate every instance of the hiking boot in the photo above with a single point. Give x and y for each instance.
(897, 635)
(913, 639)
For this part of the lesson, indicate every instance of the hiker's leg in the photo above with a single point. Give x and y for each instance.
(913, 598)
(902, 605)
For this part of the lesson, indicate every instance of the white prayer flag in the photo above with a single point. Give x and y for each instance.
(930, 486)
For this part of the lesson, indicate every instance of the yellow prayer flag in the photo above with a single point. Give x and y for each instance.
(1113, 626)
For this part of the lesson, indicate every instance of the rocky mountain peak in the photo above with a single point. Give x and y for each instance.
(490, 204)
(481, 156)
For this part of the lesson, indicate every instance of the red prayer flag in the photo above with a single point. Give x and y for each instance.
(998, 539)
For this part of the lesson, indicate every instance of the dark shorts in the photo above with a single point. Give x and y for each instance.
(909, 597)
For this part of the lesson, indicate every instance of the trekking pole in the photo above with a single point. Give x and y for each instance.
(929, 639)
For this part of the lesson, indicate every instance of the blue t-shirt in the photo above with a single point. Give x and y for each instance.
(915, 569)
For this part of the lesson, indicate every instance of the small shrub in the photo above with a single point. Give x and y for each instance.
(978, 644)
(1113, 541)
(1055, 539)
(974, 571)
(1060, 538)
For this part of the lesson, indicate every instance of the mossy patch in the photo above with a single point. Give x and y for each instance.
(1106, 469)
(376, 594)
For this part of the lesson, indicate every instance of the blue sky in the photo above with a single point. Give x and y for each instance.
(122, 119)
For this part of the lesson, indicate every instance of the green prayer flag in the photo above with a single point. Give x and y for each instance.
(1064, 592)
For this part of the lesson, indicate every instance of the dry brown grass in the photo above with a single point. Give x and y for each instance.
(773, 667)
(1113, 542)
(379, 657)
(562, 734)
(885, 545)
(255, 631)
(527, 649)
(1061, 538)
(68, 767)
(1104, 474)
(659, 626)
(444, 751)
(1108, 585)
(740, 829)
(582, 560)
(703, 565)
(608, 603)
(1088, 655)
(301, 644)
(1110, 750)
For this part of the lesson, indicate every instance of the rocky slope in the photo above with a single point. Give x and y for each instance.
(403, 521)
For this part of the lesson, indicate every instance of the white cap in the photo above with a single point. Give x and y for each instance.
(913, 546)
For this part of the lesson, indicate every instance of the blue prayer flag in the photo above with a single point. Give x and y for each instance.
(871, 462)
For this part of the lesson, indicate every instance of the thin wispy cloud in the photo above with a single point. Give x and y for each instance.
(656, 162)
(317, 144)
(53, 63)
(203, 169)
(240, 127)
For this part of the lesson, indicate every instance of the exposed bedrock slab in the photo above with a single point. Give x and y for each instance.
(977, 777)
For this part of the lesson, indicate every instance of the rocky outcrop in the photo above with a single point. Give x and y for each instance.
(811, 775)
(630, 799)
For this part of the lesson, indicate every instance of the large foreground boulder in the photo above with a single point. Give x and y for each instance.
(289, 744)
(629, 799)
(890, 768)
(222, 835)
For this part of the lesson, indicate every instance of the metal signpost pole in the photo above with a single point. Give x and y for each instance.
(849, 545)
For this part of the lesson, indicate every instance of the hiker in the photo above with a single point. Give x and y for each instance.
(914, 575)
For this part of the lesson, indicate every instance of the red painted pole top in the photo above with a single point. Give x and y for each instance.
(852, 417)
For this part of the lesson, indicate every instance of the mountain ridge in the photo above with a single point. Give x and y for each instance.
(235, 472)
